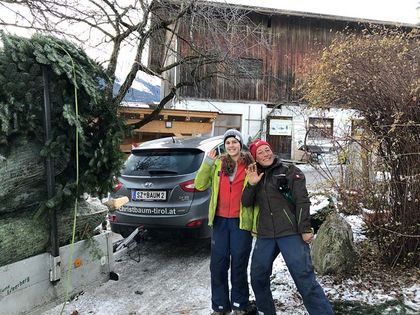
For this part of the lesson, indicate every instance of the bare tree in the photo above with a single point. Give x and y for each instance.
(111, 25)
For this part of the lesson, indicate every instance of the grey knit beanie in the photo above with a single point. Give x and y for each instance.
(233, 133)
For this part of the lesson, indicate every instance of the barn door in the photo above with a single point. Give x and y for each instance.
(279, 136)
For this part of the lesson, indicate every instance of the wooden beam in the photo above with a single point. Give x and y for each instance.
(168, 112)
(178, 127)
(126, 148)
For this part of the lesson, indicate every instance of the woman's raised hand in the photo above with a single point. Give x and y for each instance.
(253, 177)
(212, 154)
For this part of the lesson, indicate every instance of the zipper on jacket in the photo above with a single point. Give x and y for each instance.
(269, 205)
(300, 215)
(288, 217)
(230, 195)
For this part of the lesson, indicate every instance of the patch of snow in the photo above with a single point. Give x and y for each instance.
(142, 76)
(368, 211)
(305, 167)
(412, 296)
(138, 85)
(151, 79)
(318, 202)
(135, 104)
(329, 158)
(382, 176)
(358, 291)
(356, 223)
(284, 290)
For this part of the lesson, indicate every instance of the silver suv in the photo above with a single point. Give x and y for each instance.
(158, 179)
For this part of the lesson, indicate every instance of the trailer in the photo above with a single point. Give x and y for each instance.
(38, 283)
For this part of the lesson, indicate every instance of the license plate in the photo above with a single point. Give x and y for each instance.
(149, 195)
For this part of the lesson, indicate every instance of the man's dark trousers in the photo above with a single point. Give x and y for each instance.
(230, 246)
(296, 254)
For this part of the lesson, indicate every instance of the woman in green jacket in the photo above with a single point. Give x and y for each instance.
(231, 223)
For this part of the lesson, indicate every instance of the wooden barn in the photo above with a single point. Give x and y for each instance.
(258, 97)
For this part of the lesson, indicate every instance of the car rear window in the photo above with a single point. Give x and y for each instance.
(161, 162)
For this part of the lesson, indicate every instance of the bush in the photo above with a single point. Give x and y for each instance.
(376, 74)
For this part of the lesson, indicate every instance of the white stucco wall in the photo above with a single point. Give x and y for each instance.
(252, 113)
(253, 122)
(300, 120)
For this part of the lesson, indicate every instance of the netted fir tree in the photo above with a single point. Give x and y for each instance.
(97, 125)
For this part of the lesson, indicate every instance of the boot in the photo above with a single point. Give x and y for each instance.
(250, 310)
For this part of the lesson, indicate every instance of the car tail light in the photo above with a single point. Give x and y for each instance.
(195, 224)
(118, 186)
(188, 186)
(112, 218)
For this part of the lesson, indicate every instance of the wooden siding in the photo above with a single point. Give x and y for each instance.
(280, 44)
(278, 41)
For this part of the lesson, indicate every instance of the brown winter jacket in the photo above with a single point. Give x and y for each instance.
(280, 213)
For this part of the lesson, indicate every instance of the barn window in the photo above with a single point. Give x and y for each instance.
(224, 122)
(357, 128)
(320, 128)
(249, 68)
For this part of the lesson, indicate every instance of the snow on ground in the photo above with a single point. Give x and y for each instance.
(289, 301)
(173, 277)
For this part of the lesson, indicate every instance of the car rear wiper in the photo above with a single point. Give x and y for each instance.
(159, 172)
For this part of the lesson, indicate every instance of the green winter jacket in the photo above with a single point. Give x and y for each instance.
(208, 177)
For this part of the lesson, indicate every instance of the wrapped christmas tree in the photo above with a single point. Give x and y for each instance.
(83, 124)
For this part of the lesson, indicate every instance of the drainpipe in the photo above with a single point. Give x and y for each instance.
(249, 122)
(418, 13)
(55, 261)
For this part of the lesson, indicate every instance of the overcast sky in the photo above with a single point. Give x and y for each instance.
(403, 11)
